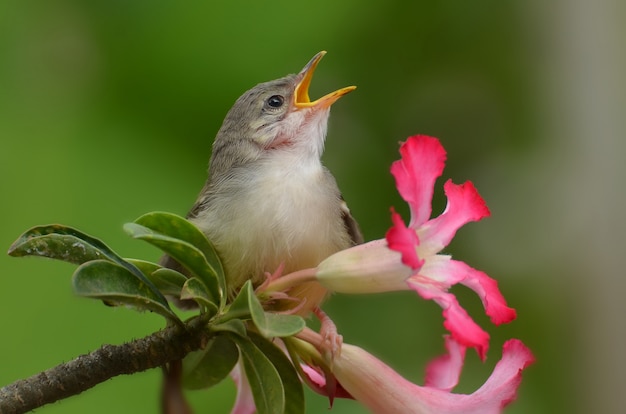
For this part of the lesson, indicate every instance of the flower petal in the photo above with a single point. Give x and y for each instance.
(404, 240)
(464, 205)
(462, 327)
(317, 382)
(501, 387)
(244, 404)
(432, 281)
(443, 372)
(423, 160)
(314, 379)
(487, 289)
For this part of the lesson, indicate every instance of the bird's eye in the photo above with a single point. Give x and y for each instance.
(275, 101)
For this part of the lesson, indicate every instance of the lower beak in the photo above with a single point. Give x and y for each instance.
(301, 94)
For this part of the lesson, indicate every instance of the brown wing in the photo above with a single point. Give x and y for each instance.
(201, 202)
(351, 225)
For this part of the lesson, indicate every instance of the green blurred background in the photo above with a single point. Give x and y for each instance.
(108, 110)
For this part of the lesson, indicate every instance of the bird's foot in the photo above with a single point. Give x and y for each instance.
(331, 340)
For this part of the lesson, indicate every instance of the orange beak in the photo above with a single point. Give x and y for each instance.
(301, 95)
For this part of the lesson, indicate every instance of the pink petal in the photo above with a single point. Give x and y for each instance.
(498, 391)
(464, 205)
(487, 289)
(244, 404)
(404, 240)
(463, 329)
(441, 272)
(443, 372)
(501, 387)
(317, 382)
(423, 160)
(314, 379)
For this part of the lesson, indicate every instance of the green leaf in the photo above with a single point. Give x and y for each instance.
(205, 368)
(60, 242)
(101, 279)
(185, 253)
(63, 247)
(194, 289)
(264, 379)
(235, 326)
(240, 306)
(271, 324)
(146, 267)
(169, 281)
(181, 228)
(294, 392)
(71, 245)
(278, 325)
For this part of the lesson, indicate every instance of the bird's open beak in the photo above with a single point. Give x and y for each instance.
(301, 95)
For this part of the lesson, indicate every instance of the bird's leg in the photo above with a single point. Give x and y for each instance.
(331, 340)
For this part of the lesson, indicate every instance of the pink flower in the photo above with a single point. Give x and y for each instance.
(422, 163)
(410, 256)
(382, 390)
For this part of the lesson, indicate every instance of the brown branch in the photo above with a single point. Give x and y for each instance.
(86, 371)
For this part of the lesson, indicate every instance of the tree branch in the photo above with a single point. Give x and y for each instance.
(86, 371)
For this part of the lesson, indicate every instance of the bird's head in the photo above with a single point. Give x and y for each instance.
(279, 115)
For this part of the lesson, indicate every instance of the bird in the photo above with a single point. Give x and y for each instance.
(268, 201)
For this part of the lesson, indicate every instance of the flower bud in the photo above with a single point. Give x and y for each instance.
(367, 268)
(382, 390)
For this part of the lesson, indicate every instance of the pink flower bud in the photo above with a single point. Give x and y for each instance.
(367, 268)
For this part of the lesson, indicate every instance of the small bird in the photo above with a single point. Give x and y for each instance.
(268, 200)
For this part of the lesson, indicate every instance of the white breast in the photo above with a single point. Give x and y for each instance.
(286, 211)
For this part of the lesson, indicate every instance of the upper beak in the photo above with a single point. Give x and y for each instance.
(301, 95)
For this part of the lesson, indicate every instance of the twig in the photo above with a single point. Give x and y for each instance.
(88, 370)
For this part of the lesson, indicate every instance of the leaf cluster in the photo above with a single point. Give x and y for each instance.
(241, 331)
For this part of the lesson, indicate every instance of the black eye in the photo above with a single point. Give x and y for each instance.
(275, 101)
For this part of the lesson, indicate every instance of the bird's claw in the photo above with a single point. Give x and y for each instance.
(331, 339)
